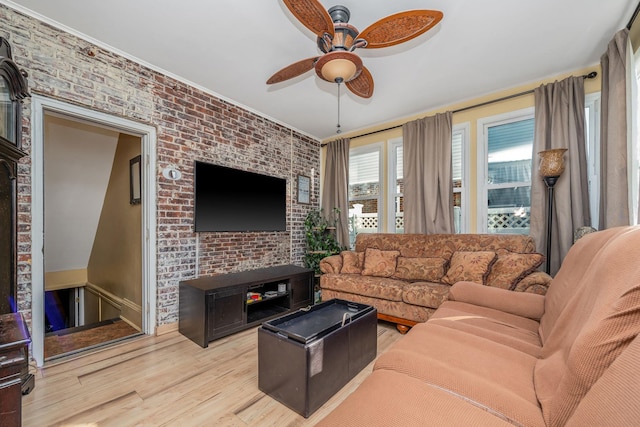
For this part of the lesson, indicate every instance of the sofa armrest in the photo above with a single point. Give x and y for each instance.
(331, 264)
(519, 303)
(536, 283)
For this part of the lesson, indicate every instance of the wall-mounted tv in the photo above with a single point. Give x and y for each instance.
(228, 199)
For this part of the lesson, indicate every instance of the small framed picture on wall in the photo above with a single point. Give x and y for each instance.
(135, 182)
(304, 189)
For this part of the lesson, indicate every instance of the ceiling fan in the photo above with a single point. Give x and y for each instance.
(338, 40)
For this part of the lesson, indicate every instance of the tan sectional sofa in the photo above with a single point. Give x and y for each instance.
(407, 276)
(489, 357)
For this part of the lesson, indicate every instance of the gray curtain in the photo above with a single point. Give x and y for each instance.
(428, 183)
(335, 191)
(614, 191)
(559, 123)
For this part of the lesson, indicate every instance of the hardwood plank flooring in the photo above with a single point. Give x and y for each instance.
(75, 339)
(169, 381)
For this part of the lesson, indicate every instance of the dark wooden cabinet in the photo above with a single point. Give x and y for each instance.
(224, 314)
(13, 88)
(215, 306)
(8, 234)
(14, 368)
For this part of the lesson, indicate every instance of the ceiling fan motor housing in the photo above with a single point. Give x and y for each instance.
(343, 38)
(339, 13)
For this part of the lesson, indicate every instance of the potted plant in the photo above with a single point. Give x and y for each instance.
(320, 234)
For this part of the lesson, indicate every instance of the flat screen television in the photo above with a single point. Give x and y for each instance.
(228, 199)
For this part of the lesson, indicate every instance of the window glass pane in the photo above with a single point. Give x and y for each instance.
(509, 161)
(363, 167)
(399, 222)
(510, 152)
(457, 171)
(397, 197)
(456, 158)
(399, 154)
(364, 192)
(7, 111)
(509, 217)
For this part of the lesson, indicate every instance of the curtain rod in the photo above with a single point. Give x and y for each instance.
(591, 75)
(633, 17)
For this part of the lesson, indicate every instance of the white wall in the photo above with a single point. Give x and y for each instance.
(77, 164)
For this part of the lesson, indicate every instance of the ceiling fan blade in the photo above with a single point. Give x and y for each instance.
(399, 27)
(312, 15)
(293, 70)
(362, 85)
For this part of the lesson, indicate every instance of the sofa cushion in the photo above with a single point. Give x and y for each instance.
(521, 304)
(615, 399)
(425, 294)
(380, 263)
(574, 270)
(443, 245)
(392, 399)
(510, 267)
(385, 307)
(352, 262)
(507, 329)
(495, 376)
(376, 287)
(469, 266)
(596, 324)
(425, 269)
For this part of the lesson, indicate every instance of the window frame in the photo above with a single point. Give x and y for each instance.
(482, 126)
(465, 130)
(392, 178)
(364, 149)
(592, 140)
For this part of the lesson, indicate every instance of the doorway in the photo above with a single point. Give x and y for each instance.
(96, 271)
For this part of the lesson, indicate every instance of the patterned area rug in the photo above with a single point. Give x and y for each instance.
(72, 340)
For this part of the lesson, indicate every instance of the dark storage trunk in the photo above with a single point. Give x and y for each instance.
(305, 357)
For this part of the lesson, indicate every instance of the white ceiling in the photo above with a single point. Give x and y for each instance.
(231, 47)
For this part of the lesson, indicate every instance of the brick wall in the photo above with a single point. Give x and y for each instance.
(191, 125)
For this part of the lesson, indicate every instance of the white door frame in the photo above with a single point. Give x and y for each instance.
(39, 105)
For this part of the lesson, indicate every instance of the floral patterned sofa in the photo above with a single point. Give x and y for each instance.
(407, 276)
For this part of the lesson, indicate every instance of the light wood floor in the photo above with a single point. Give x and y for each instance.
(169, 381)
(74, 339)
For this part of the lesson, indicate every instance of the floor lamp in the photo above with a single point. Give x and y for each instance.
(551, 167)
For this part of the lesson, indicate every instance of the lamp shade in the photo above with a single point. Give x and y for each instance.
(338, 66)
(552, 162)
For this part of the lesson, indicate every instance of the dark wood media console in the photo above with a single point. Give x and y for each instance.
(215, 306)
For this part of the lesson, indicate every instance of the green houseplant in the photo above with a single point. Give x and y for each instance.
(320, 235)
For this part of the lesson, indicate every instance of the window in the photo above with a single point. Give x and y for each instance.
(592, 140)
(505, 152)
(396, 188)
(634, 148)
(459, 150)
(365, 192)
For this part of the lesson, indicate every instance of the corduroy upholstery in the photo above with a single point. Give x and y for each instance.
(491, 357)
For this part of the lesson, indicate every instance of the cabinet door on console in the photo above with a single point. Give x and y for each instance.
(7, 235)
(226, 310)
(301, 290)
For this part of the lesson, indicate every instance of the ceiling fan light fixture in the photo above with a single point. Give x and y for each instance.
(337, 39)
(338, 66)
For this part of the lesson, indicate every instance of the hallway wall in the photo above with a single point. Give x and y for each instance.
(78, 159)
(115, 264)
